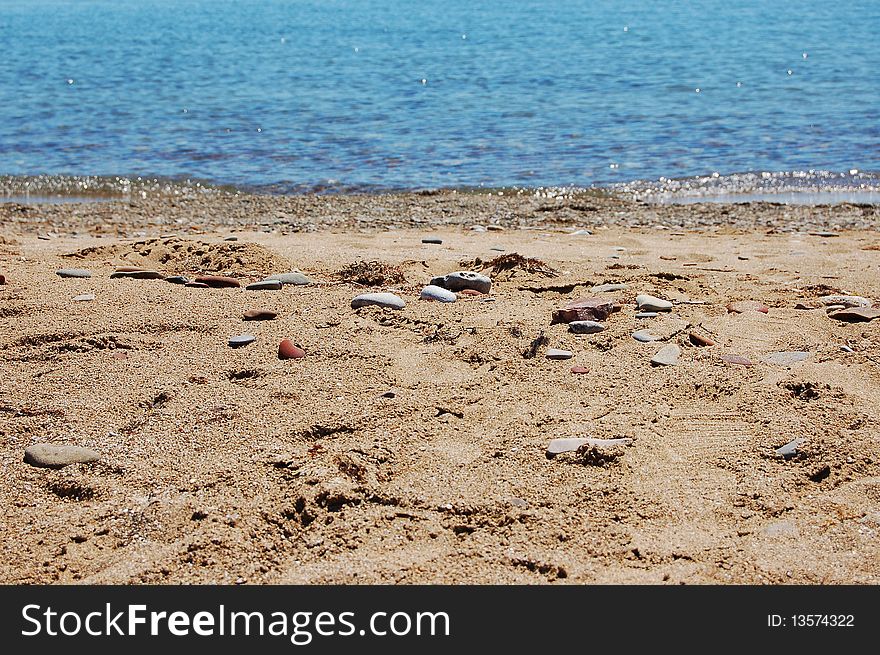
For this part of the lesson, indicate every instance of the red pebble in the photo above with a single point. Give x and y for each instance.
(218, 281)
(288, 350)
(737, 359)
(471, 292)
(579, 369)
(700, 340)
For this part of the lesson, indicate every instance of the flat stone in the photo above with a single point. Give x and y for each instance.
(498, 249)
(259, 315)
(432, 240)
(56, 456)
(477, 228)
(737, 359)
(231, 239)
(177, 279)
(855, 314)
(469, 292)
(652, 303)
(557, 446)
(585, 327)
(264, 285)
(846, 301)
(139, 274)
(791, 448)
(378, 299)
(786, 358)
(85, 297)
(606, 288)
(743, 306)
(294, 277)
(647, 315)
(644, 336)
(433, 292)
(495, 228)
(73, 272)
(700, 340)
(579, 370)
(580, 233)
(241, 340)
(801, 305)
(668, 258)
(197, 285)
(556, 353)
(667, 356)
(218, 281)
(289, 350)
(584, 309)
(833, 308)
(2, 279)
(463, 280)
(824, 234)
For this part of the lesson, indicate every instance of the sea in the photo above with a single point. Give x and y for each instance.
(672, 101)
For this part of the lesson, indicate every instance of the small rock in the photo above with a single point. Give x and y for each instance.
(498, 249)
(700, 340)
(846, 301)
(73, 272)
(196, 285)
(379, 299)
(579, 370)
(463, 280)
(580, 233)
(668, 258)
(85, 297)
(230, 238)
(477, 228)
(585, 327)
(555, 353)
(2, 279)
(241, 340)
(652, 304)
(786, 358)
(791, 448)
(847, 349)
(259, 315)
(178, 279)
(495, 228)
(264, 285)
(742, 306)
(518, 502)
(737, 359)
(433, 241)
(469, 292)
(742, 258)
(667, 356)
(557, 446)
(584, 309)
(855, 314)
(824, 234)
(294, 277)
(218, 281)
(644, 336)
(56, 456)
(833, 308)
(801, 305)
(433, 292)
(647, 315)
(606, 288)
(289, 350)
(139, 274)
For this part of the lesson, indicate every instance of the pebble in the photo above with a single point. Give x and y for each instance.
(737, 359)
(73, 272)
(498, 249)
(495, 228)
(846, 301)
(668, 258)
(791, 448)
(55, 456)
(2, 279)
(824, 234)
(241, 340)
(177, 279)
(579, 370)
(700, 340)
(833, 308)
(653, 304)
(555, 353)
(85, 297)
(581, 233)
(138, 274)
(584, 309)
(786, 358)
(433, 292)
(294, 277)
(477, 228)
(231, 239)
(379, 299)
(557, 446)
(470, 292)
(218, 281)
(855, 314)
(434, 241)
(259, 315)
(847, 349)
(605, 288)
(196, 285)
(647, 315)
(264, 285)
(667, 356)
(289, 350)
(463, 280)
(585, 327)
(742, 306)
(644, 336)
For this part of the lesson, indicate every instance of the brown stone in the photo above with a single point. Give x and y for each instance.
(129, 269)
(700, 340)
(737, 359)
(196, 285)
(742, 306)
(259, 315)
(288, 350)
(218, 281)
(2, 279)
(579, 370)
(471, 292)
(584, 309)
(855, 314)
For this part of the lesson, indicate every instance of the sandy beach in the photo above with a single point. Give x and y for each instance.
(409, 446)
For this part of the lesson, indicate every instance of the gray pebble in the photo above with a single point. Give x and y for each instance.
(85, 297)
(644, 336)
(178, 279)
(378, 299)
(432, 240)
(231, 239)
(241, 340)
(667, 356)
(652, 303)
(477, 228)
(581, 233)
(463, 280)
(585, 327)
(55, 456)
(555, 353)
(791, 448)
(604, 288)
(264, 285)
(846, 301)
(136, 275)
(73, 272)
(294, 277)
(433, 292)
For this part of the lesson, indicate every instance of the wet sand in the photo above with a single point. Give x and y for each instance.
(409, 446)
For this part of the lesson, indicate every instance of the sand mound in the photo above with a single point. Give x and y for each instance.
(189, 255)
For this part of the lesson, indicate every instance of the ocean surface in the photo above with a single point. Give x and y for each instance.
(289, 96)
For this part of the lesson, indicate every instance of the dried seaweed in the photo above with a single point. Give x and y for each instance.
(512, 262)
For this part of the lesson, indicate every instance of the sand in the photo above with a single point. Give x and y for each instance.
(409, 446)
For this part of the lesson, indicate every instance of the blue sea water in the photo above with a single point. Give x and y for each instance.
(292, 95)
